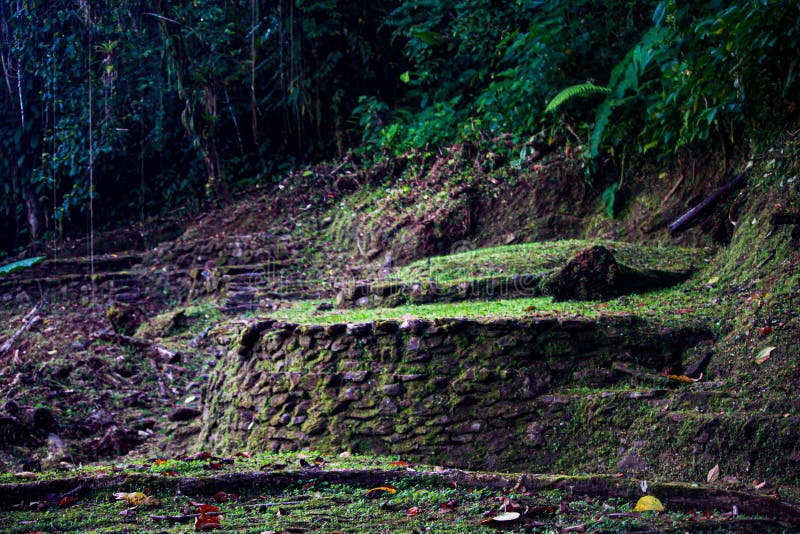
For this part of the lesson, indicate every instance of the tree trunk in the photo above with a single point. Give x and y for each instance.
(34, 212)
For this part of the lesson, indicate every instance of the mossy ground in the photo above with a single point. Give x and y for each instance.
(415, 499)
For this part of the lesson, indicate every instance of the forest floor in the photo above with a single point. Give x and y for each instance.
(105, 359)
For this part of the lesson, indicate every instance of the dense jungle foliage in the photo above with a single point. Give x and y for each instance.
(115, 111)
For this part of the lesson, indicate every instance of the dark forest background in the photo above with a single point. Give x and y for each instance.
(115, 111)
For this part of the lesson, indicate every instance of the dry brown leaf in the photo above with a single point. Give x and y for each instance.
(713, 474)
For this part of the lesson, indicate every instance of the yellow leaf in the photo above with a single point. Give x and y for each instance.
(681, 378)
(137, 498)
(648, 504)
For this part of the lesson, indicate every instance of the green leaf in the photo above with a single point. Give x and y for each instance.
(658, 15)
(609, 197)
(19, 265)
(582, 89)
(428, 37)
(405, 77)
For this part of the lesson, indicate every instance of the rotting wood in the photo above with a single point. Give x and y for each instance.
(30, 319)
(690, 215)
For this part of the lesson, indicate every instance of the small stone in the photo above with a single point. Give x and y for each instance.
(184, 414)
(298, 420)
(351, 394)
(363, 302)
(392, 390)
(388, 407)
(355, 376)
(359, 329)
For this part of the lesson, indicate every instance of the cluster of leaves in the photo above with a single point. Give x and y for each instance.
(703, 73)
(476, 69)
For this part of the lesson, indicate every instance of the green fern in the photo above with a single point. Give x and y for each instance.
(582, 89)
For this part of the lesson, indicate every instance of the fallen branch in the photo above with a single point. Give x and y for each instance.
(28, 321)
(137, 343)
(687, 217)
(672, 191)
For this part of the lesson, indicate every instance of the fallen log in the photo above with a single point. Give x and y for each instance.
(687, 217)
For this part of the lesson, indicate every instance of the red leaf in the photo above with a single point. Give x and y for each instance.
(203, 509)
(69, 500)
(207, 522)
(399, 463)
(413, 511)
(449, 506)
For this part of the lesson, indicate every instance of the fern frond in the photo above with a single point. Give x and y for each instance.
(573, 91)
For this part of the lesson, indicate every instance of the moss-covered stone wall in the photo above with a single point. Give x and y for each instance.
(470, 393)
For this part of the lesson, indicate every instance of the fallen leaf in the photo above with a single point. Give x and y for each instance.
(713, 280)
(502, 517)
(376, 493)
(765, 330)
(272, 467)
(69, 500)
(134, 499)
(399, 463)
(304, 464)
(763, 355)
(648, 503)
(205, 522)
(207, 508)
(413, 511)
(27, 475)
(713, 474)
(759, 485)
(683, 378)
(283, 511)
(221, 496)
(199, 456)
(449, 506)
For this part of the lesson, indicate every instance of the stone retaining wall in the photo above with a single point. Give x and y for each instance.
(468, 393)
